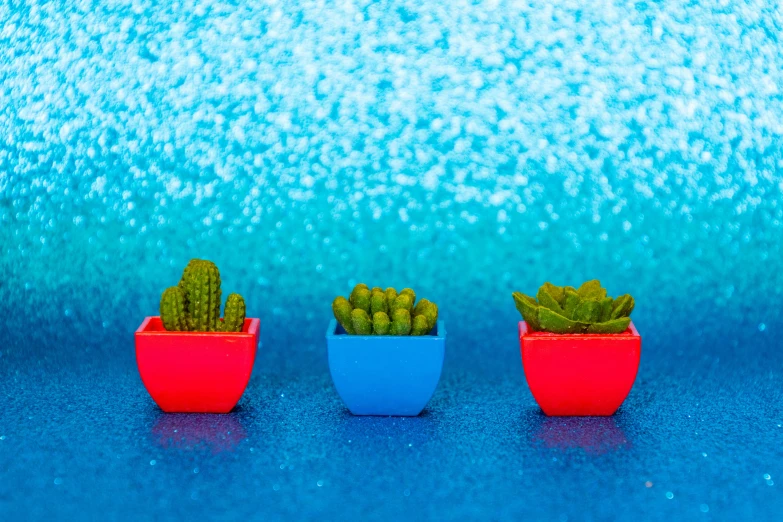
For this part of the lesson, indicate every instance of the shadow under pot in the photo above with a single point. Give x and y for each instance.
(195, 372)
(386, 375)
(580, 374)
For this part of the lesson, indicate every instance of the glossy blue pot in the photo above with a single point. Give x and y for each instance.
(385, 374)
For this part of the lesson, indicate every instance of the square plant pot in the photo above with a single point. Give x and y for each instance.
(580, 374)
(195, 372)
(385, 374)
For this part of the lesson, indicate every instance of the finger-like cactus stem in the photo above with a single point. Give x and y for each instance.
(234, 315)
(378, 302)
(410, 293)
(401, 322)
(403, 302)
(361, 322)
(203, 291)
(391, 295)
(421, 326)
(429, 310)
(172, 310)
(360, 298)
(381, 323)
(342, 312)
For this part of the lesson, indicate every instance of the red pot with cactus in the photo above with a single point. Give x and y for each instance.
(189, 358)
(580, 350)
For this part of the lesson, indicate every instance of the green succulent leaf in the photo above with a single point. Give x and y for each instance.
(588, 311)
(572, 300)
(623, 306)
(606, 309)
(592, 290)
(528, 307)
(553, 322)
(614, 326)
(558, 292)
(547, 300)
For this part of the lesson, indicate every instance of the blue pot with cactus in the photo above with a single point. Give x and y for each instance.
(385, 351)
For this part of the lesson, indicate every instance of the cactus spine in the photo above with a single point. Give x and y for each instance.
(384, 312)
(194, 304)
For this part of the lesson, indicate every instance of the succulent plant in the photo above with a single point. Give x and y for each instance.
(565, 309)
(194, 304)
(384, 312)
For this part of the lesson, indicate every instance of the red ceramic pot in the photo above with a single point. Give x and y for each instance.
(580, 374)
(195, 372)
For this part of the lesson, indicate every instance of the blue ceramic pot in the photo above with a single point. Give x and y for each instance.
(385, 374)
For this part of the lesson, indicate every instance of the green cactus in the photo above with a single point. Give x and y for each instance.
(384, 312)
(360, 297)
(361, 322)
(381, 323)
(401, 322)
(342, 309)
(421, 325)
(234, 314)
(203, 289)
(172, 310)
(194, 304)
(378, 302)
(403, 302)
(567, 310)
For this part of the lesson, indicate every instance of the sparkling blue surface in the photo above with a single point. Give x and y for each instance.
(466, 149)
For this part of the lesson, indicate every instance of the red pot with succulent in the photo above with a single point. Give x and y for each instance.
(580, 350)
(189, 358)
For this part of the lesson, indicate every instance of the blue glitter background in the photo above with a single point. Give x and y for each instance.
(465, 148)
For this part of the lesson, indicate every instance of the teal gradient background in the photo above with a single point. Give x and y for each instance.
(467, 149)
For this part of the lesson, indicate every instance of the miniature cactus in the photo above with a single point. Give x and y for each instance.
(194, 304)
(342, 312)
(172, 310)
(234, 314)
(568, 310)
(361, 322)
(384, 312)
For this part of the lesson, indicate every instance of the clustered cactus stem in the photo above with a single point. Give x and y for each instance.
(194, 304)
(568, 310)
(384, 312)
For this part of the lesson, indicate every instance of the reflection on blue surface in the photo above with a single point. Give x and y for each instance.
(466, 149)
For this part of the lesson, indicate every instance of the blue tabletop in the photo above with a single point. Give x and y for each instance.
(466, 149)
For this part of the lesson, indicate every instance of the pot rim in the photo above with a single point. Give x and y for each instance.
(440, 333)
(249, 329)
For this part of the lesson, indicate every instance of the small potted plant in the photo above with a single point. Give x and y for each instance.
(385, 351)
(580, 350)
(189, 359)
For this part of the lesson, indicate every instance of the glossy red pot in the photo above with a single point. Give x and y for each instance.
(195, 372)
(580, 374)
